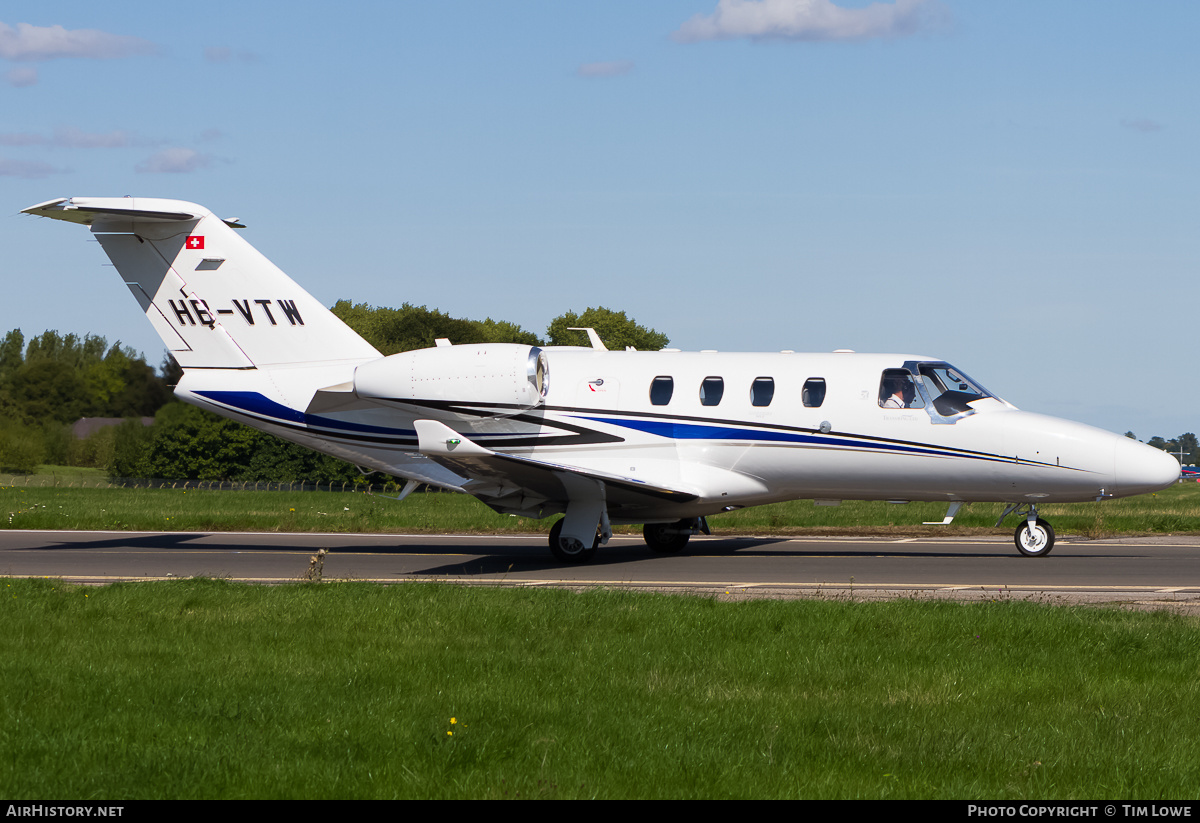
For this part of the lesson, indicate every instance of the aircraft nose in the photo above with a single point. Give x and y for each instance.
(1141, 469)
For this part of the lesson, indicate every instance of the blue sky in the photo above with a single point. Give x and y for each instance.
(1008, 186)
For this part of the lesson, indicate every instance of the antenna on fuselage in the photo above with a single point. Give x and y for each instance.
(593, 338)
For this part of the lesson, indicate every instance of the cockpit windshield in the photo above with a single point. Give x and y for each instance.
(948, 390)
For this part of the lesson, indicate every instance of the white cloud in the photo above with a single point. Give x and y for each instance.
(21, 138)
(29, 169)
(20, 77)
(1142, 124)
(28, 42)
(611, 68)
(806, 20)
(174, 161)
(223, 54)
(71, 137)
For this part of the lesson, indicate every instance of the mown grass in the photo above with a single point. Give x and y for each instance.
(207, 689)
(1173, 511)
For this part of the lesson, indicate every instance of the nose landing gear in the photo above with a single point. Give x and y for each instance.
(1034, 537)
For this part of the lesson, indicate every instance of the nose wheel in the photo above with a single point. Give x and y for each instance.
(1035, 541)
(1034, 537)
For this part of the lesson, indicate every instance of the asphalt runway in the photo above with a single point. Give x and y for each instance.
(1149, 572)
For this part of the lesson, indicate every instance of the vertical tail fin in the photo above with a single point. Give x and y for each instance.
(212, 297)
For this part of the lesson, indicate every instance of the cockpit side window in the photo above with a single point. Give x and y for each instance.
(897, 391)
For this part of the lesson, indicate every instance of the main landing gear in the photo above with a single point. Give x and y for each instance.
(570, 549)
(1034, 536)
(662, 538)
(670, 538)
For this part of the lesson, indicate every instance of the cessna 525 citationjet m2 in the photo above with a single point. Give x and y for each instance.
(661, 438)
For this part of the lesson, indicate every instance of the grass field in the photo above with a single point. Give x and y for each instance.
(71, 506)
(207, 689)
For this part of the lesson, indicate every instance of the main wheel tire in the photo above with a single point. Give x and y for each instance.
(567, 549)
(1035, 543)
(664, 538)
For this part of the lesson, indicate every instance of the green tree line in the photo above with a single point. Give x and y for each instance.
(1185, 447)
(50, 381)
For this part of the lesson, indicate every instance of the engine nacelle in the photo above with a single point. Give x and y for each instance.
(506, 376)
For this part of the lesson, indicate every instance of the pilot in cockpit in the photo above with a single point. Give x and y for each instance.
(896, 391)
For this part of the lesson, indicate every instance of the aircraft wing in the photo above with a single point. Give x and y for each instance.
(522, 485)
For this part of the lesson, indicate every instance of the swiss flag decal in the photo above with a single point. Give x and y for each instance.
(195, 241)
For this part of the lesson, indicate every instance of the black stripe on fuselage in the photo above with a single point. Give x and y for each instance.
(585, 436)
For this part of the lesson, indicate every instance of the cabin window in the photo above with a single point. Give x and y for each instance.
(762, 390)
(813, 393)
(897, 391)
(661, 390)
(711, 390)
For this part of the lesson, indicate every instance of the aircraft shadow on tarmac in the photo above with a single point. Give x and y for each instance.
(447, 558)
(177, 540)
(533, 558)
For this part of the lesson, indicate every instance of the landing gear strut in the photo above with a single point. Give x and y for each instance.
(1034, 537)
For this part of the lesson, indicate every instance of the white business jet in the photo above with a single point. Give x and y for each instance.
(660, 438)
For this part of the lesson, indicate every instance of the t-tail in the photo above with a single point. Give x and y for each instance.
(216, 302)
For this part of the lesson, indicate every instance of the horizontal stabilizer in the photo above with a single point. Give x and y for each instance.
(90, 210)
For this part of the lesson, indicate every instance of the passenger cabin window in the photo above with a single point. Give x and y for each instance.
(762, 390)
(813, 393)
(897, 391)
(661, 390)
(711, 390)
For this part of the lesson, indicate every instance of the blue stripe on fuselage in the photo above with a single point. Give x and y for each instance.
(254, 403)
(698, 431)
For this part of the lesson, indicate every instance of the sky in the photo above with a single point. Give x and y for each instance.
(1011, 187)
